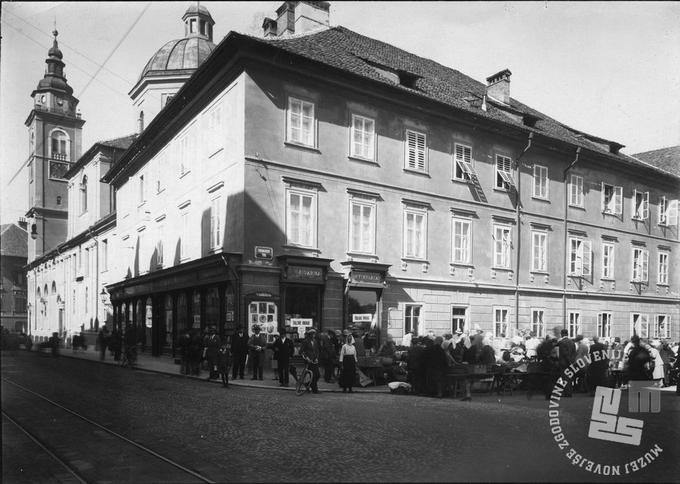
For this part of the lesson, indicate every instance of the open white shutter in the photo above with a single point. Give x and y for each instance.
(587, 261)
(634, 206)
(645, 206)
(618, 200)
(602, 198)
(672, 213)
(645, 265)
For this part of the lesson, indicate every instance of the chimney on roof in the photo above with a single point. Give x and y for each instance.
(297, 18)
(269, 27)
(498, 86)
(22, 223)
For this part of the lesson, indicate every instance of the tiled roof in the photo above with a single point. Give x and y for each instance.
(667, 159)
(13, 241)
(344, 49)
(121, 143)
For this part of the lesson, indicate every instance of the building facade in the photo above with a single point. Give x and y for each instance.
(70, 266)
(315, 176)
(13, 248)
(304, 187)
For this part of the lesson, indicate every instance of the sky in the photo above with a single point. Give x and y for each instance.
(611, 69)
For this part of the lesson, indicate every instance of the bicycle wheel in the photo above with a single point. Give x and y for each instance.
(303, 383)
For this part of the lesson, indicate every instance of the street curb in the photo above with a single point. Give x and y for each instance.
(231, 382)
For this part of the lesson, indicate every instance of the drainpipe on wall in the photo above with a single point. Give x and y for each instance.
(566, 214)
(518, 215)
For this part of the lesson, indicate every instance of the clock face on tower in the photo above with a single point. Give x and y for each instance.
(42, 99)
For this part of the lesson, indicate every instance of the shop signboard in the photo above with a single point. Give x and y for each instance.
(301, 324)
(367, 277)
(264, 253)
(305, 274)
(362, 318)
(230, 315)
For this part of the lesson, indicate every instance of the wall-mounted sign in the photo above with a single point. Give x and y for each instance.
(362, 318)
(264, 253)
(307, 274)
(371, 277)
(301, 324)
(230, 315)
(263, 294)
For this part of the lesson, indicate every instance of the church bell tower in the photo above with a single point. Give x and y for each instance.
(55, 143)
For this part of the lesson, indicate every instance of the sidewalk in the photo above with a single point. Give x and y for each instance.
(166, 365)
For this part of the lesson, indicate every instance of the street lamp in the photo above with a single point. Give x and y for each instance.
(104, 296)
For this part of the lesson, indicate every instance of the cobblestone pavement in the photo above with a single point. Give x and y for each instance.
(252, 434)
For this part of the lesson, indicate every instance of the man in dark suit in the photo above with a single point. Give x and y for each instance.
(239, 350)
(257, 344)
(599, 364)
(211, 347)
(283, 349)
(567, 355)
(309, 350)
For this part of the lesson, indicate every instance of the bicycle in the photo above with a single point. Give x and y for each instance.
(129, 357)
(304, 381)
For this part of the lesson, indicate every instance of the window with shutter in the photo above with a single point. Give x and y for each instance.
(672, 213)
(640, 205)
(663, 207)
(462, 166)
(640, 265)
(504, 172)
(574, 323)
(580, 257)
(612, 199)
(416, 158)
(604, 325)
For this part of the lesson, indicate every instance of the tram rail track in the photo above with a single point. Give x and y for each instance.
(79, 475)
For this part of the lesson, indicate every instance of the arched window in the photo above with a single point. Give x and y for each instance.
(59, 145)
(54, 288)
(83, 195)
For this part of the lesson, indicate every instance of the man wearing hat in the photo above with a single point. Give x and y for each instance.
(309, 350)
(239, 351)
(257, 344)
(211, 347)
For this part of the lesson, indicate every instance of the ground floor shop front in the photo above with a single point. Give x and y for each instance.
(290, 294)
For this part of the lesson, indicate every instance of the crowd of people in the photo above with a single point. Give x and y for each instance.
(422, 363)
(586, 363)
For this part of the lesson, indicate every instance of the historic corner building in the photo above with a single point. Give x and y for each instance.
(317, 176)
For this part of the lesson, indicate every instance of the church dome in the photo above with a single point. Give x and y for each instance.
(178, 56)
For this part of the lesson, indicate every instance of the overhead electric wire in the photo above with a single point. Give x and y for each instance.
(76, 51)
(116, 47)
(93, 77)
